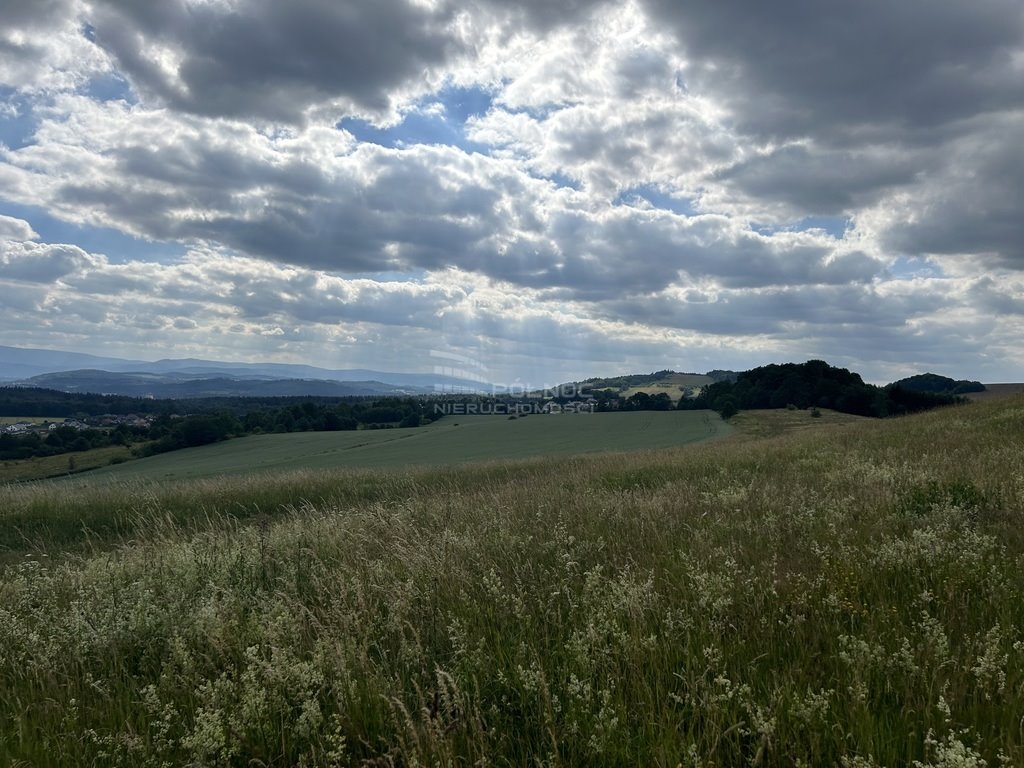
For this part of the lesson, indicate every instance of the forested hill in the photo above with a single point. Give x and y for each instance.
(814, 384)
(940, 385)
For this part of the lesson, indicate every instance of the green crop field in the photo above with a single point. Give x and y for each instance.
(452, 440)
(809, 592)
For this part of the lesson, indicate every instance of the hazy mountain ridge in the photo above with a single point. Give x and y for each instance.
(21, 362)
(183, 386)
(57, 369)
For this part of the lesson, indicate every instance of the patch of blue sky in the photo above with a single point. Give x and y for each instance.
(833, 225)
(836, 226)
(460, 104)
(911, 267)
(561, 180)
(438, 119)
(18, 122)
(110, 87)
(657, 198)
(119, 247)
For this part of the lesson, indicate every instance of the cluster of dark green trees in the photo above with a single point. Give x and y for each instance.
(37, 402)
(814, 384)
(642, 401)
(63, 439)
(169, 432)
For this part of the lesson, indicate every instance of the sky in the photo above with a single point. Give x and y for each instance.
(524, 192)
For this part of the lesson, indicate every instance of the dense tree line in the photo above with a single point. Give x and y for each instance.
(814, 384)
(38, 402)
(32, 401)
(169, 432)
(644, 401)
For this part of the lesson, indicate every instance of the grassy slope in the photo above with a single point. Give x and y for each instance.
(997, 392)
(773, 423)
(841, 595)
(476, 438)
(62, 464)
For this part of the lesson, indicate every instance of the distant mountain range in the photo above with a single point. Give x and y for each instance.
(189, 377)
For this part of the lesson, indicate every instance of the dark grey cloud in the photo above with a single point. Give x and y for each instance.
(846, 70)
(381, 211)
(774, 311)
(974, 203)
(270, 59)
(816, 182)
(996, 299)
(641, 252)
(35, 14)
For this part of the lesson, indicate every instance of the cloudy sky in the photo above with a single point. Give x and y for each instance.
(534, 191)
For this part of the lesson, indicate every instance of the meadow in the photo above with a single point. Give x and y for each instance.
(847, 593)
(451, 440)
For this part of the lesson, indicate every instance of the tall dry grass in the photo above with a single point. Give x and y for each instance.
(851, 595)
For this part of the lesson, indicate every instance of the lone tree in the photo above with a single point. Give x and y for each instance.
(727, 406)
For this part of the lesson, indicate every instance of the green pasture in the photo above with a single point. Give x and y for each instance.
(452, 440)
